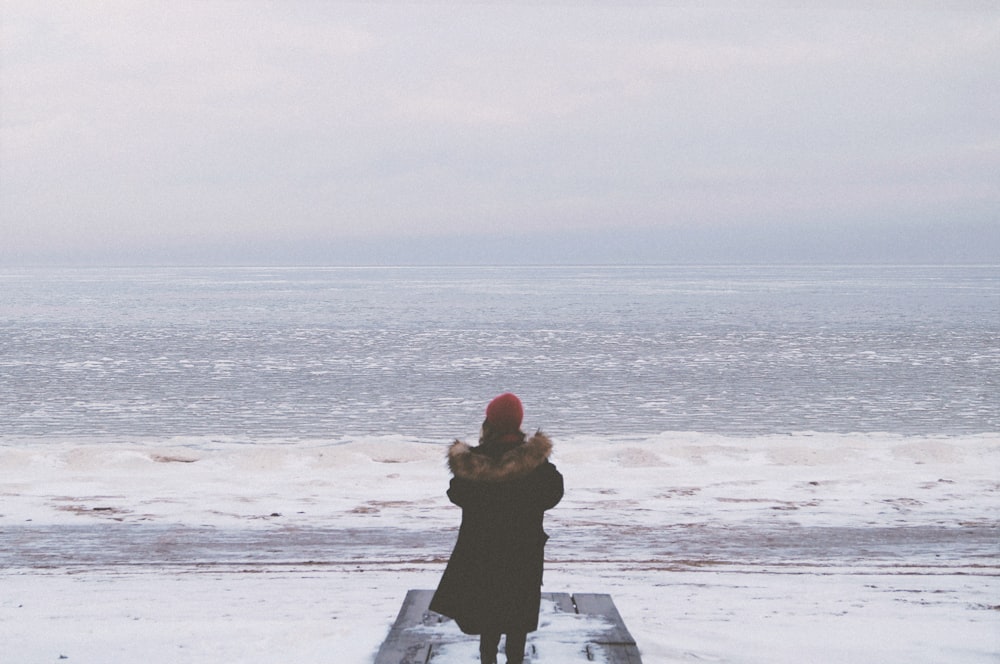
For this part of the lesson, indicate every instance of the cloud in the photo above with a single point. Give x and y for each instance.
(155, 126)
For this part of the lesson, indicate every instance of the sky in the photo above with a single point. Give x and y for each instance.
(385, 132)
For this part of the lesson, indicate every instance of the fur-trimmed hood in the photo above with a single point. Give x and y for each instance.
(471, 464)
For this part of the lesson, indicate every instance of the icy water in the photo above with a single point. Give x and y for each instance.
(416, 352)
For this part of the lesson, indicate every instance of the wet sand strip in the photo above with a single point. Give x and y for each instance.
(135, 545)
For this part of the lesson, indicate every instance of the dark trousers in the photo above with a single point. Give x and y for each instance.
(488, 644)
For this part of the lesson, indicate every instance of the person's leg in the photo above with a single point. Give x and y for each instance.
(488, 644)
(515, 647)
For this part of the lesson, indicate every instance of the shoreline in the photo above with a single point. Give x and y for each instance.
(109, 545)
(728, 551)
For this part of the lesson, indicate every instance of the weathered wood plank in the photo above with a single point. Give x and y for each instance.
(413, 638)
(602, 605)
(630, 655)
(403, 653)
(415, 605)
(407, 647)
(613, 654)
(563, 601)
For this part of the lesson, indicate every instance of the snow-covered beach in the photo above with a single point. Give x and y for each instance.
(812, 547)
(763, 464)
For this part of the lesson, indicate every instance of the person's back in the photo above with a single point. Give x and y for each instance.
(492, 584)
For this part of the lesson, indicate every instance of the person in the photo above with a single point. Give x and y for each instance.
(492, 583)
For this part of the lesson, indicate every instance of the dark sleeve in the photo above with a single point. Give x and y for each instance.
(550, 486)
(542, 490)
(459, 491)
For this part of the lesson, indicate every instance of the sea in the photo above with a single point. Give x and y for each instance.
(244, 354)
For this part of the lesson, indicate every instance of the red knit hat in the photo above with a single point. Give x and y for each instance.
(505, 413)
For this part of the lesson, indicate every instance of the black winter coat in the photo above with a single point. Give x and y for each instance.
(493, 580)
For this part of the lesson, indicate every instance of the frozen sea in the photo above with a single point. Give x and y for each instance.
(763, 463)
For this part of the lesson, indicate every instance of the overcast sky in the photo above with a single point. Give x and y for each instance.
(389, 132)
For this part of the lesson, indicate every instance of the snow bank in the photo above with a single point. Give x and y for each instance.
(809, 547)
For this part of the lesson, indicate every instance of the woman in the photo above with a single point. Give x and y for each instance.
(492, 584)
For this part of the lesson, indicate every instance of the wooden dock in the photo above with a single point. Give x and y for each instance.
(584, 625)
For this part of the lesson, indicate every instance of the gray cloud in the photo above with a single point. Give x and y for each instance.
(242, 131)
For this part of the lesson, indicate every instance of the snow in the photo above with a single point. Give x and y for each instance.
(809, 547)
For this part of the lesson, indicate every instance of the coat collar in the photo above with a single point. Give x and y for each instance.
(470, 463)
